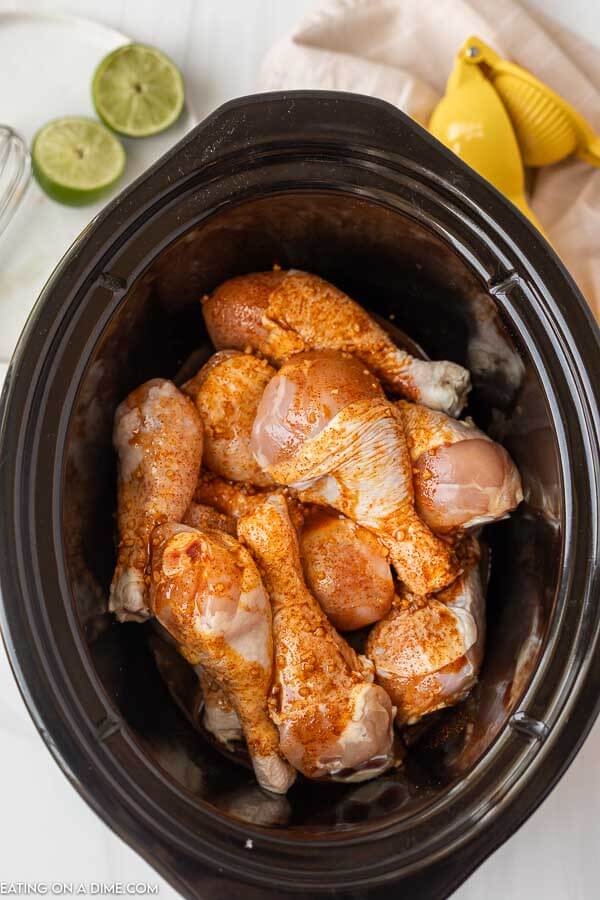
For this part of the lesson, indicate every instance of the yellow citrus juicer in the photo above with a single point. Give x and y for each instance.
(472, 120)
(548, 129)
(498, 118)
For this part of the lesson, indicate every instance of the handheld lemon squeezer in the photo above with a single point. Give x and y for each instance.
(499, 119)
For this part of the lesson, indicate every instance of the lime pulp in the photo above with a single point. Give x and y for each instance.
(138, 91)
(76, 160)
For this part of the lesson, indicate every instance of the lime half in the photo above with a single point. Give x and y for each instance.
(76, 160)
(138, 91)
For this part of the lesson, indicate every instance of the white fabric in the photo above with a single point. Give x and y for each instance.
(403, 51)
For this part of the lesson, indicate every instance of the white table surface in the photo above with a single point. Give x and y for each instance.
(47, 832)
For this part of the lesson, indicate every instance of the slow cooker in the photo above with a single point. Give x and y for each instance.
(350, 188)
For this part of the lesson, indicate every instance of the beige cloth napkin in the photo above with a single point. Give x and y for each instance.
(403, 51)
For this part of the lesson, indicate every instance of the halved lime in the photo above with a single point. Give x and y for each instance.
(137, 90)
(76, 160)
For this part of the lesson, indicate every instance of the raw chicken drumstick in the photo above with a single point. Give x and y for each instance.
(333, 722)
(214, 709)
(158, 437)
(325, 428)
(227, 391)
(207, 593)
(283, 313)
(427, 653)
(346, 569)
(461, 477)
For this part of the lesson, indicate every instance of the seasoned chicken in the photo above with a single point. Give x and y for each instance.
(158, 437)
(427, 652)
(346, 569)
(219, 716)
(345, 565)
(204, 517)
(227, 391)
(207, 593)
(283, 313)
(325, 428)
(461, 477)
(232, 501)
(333, 722)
